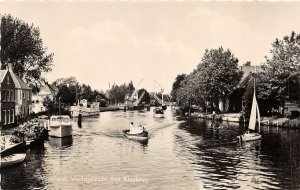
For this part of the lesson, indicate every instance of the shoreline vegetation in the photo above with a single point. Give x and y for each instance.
(276, 121)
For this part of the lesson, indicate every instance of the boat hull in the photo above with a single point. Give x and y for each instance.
(60, 131)
(250, 137)
(139, 136)
(12, 160)
(157, 115)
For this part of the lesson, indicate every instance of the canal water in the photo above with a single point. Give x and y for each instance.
(99, 157)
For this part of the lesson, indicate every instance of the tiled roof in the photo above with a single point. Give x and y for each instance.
(247, 76)
(18, 82)
(48, 88)
(2, 75)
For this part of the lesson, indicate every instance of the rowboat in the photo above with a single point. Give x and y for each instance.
(12, 160)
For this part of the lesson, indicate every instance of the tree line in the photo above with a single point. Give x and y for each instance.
(217, 76)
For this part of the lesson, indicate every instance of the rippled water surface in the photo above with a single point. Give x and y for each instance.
(175, 157)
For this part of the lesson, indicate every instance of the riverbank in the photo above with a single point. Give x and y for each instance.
(26, 135)
(235, 117)
(109, 108)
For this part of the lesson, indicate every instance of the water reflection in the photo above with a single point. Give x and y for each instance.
(60, 142)
(174, 157)
(27, 175)
(253, 165)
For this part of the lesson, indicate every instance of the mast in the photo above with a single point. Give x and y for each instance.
(59, 107)
(257, 108)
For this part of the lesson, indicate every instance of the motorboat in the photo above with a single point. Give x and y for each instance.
(85, 109)
(60, 126)
(136, 136)
(13, 159)
(158, 113)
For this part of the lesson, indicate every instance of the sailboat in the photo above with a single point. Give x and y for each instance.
(250, 134)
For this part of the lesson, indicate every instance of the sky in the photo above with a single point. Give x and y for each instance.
(102, 43)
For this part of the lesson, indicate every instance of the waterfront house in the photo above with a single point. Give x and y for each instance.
(234, 103)
(7, 100)
(46, 90)
(22, 96)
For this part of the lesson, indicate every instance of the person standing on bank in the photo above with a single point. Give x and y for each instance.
(79, 119)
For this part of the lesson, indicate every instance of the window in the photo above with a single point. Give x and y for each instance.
(7, 80)
(8, 116)
(4, 95)
(23, 96)
(13, 115)
(12, 96)
(8, 98)
(4, 117)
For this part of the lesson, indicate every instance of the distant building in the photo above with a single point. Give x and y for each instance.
(38, 99)
(7, 100)
(23, 94)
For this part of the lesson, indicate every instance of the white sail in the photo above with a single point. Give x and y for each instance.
(253, 113)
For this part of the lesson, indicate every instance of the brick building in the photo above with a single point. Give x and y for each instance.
(7, 100)
(22, 96)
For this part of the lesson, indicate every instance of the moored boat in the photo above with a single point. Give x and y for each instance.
(60, 126)
(12, 160)
(85, 109)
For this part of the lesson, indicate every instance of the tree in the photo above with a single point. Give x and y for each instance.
(280, 69)
(67, 94)
(248, 63)
(117, 93)
(66, 81)
(50, 106)
(218, 75)
(22, 46)
(190, 90)
(176, 86)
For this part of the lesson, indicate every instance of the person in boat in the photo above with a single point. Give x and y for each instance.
(135, 130)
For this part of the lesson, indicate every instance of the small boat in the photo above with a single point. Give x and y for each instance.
(12, 160)
(138, 136)
(60, 126)
(158, 113)
(250, 134)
